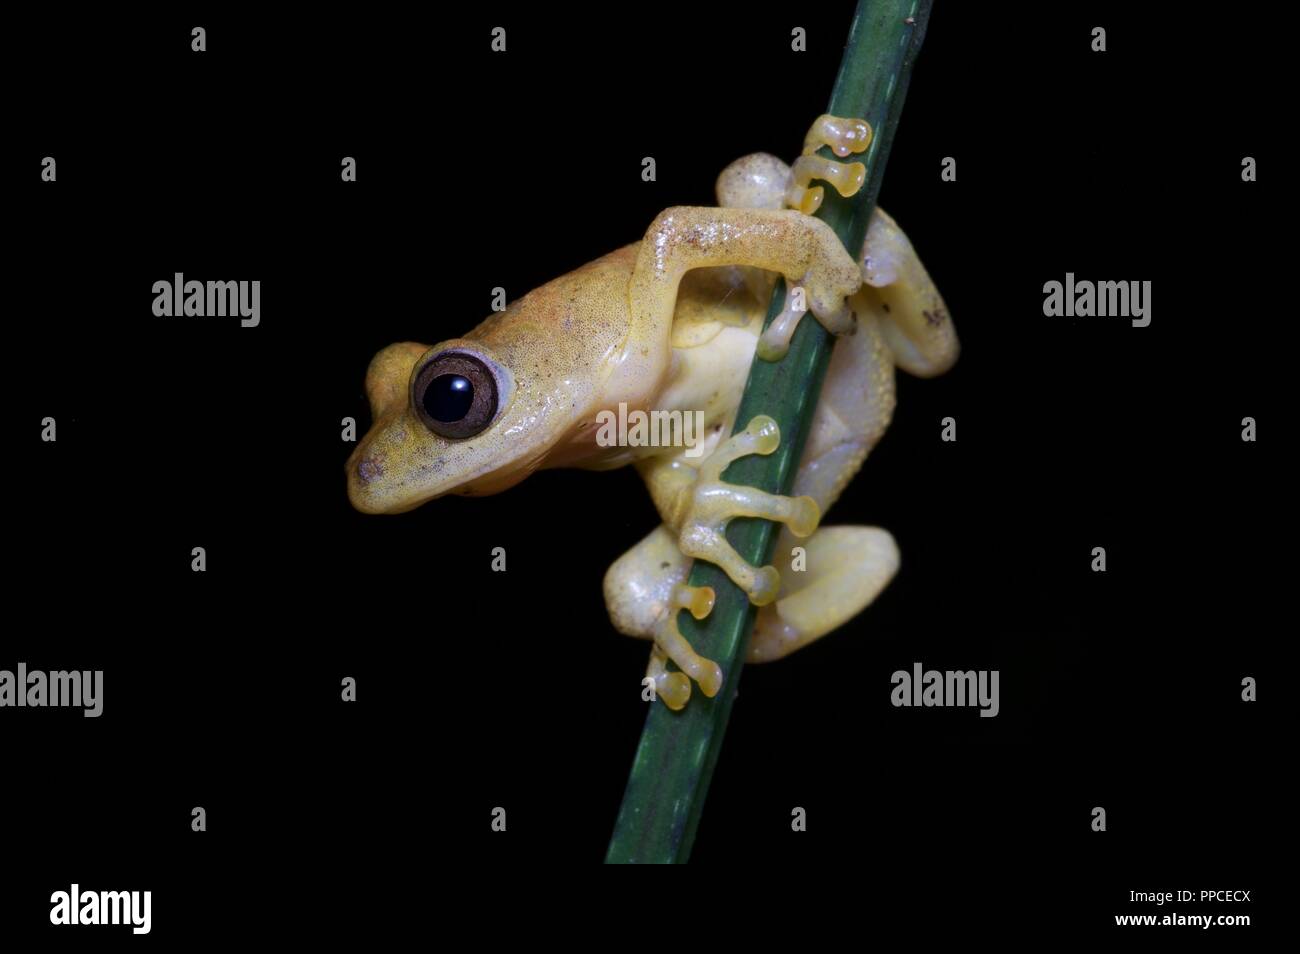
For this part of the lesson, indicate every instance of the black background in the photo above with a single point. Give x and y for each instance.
(478, 689)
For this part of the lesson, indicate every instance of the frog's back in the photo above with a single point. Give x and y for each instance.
(588, 305)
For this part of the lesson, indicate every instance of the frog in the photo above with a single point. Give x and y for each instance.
(672, 323)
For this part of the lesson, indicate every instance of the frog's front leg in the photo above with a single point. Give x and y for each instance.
(644, 590)
(804, 250)
(762, 181)
(646, 587)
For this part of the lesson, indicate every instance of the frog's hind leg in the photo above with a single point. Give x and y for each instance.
(842, 568)
(646, 587)
(914, 319)
(901, 320)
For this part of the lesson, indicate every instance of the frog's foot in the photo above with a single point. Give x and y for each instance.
(710, 504)
(843, 136)
(645, 589)
(774, 342)
(674, 688)
(845, 568)
(826, 294)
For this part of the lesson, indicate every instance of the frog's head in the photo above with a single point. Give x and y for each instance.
(446, 420)
(476, 415)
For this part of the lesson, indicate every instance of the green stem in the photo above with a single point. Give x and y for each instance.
(674, 762)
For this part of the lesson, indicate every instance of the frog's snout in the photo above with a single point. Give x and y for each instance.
(369, 468)
(375, 469)
(365, 471)
(392, 471)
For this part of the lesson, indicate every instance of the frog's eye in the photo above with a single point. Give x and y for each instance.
(455, 394)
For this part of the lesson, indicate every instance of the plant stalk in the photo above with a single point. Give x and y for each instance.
(679, 750)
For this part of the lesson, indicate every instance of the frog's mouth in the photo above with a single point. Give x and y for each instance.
(386, 476)
(496, 481)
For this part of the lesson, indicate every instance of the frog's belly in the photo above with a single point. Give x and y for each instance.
(710, 378)
(695, 408)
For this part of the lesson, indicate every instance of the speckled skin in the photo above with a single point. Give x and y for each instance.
(671, 323)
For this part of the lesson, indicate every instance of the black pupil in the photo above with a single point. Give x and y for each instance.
(449, 397)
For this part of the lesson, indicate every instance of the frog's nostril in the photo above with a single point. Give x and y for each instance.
(369, 469)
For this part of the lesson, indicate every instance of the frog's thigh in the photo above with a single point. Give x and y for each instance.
(845, 568)
(853, 411)
(639, 585)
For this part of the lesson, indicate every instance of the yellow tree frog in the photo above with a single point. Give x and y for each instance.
(672, 323)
